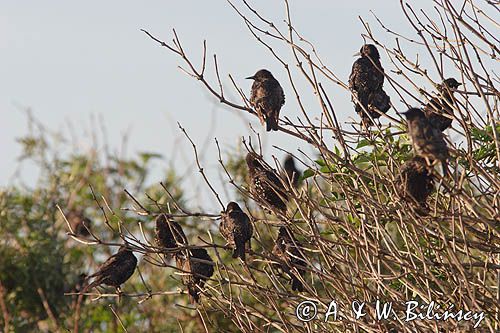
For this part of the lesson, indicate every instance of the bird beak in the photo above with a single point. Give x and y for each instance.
(250, 78)
(357, 54)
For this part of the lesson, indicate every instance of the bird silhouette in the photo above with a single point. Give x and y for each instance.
(427, 140)
(291, 171)
(236, 229)
(287, 250)
(366, 82)
(169, 235)
(415, 180)
(439, 110)
(195, 272)
(79, 223)
(116, 270)
(267, 98)
(265, 185)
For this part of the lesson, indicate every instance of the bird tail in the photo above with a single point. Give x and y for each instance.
(194, 296)
(239, 251)
(271, 124)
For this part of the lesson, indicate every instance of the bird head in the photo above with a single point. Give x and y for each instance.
(261, 75)
(451, 83)
(253, 162)
(232, 206)
(289, 162)
(369, 50)
(413, 113)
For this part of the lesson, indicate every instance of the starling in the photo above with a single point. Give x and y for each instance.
(267, 98)
(365, 82)
(415, 180)
(439, 110)
(79, 223)
(236, 228)
(169, 234)
(116, 270)
(195, 272)
(287, 250)
(265, 184)
(291, 171)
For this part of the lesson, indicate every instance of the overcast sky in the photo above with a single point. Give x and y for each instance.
(68, 60)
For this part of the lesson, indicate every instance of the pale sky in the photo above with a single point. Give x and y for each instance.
(69, 60)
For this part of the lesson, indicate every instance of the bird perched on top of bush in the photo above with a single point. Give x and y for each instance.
(169, 234)
(116, 270)
(439, 110)
(267, 98)
(427, 140)
(265, 185)
(366, 82)
(197, 269)
(236, 229)
(291, 171)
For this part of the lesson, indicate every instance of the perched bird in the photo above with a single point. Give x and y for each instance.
(169, 234)
(236, 228)
(365, 82)
(427, 140)
(195, 272)
(79, 223)
(116, 270)
(265, 184)
(415, 180)
(439, 110)
(287, 250)
(267, 98)
(291, 171)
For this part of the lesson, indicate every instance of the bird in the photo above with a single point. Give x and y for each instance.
(427, 140)
(286, 249)
(267, 98)
(415, 180)
(79, 223)
(116, 270)
(195, 272)
(265, 184)
(169, 235)
(439, 110)
(236, 228)
(291, 171)
(366, 82)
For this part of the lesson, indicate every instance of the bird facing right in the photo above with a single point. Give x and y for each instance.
(427, 140)
(365, 82)
(116, 270)
(195, 272)
(236, 228)
(267, 98)
(265, 185)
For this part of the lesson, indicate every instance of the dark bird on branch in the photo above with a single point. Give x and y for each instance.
(116, 270)
(365, 82)
(287, 250)
(267, 98)
(197, 268)
(169, 235)
(291, 171)
(427, 140)
(265, 185)
(415, 180)
(236, 228)
(79, 223)
(439, 110)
